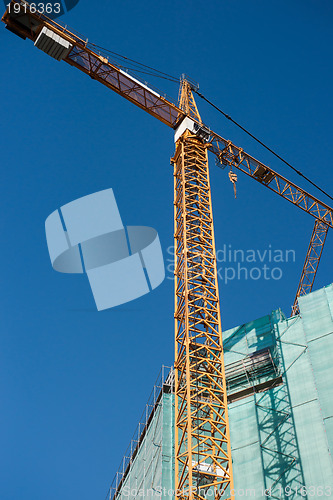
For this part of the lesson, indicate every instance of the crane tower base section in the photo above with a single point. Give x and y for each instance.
(280, 397)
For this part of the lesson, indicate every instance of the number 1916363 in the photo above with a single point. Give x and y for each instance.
(39, 8)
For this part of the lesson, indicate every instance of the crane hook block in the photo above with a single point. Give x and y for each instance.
(233, 179)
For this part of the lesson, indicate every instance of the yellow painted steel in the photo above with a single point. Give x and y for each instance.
(203, 456)
(186, 101)
(202, 441)
(84, 57)
(311, 263)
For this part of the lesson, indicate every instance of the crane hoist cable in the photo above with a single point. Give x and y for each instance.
(159, 74)
(261, 143)
(166, 76)
(233, 179)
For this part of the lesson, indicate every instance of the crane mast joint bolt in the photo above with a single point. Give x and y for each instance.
(203, 462)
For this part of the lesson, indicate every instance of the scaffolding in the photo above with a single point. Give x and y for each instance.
(151, 448)
(280, 396)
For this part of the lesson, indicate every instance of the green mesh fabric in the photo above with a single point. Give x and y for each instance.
(282, 432)
(151, 474)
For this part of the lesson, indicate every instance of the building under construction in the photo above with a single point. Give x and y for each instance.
(279, 374)
(247, 414)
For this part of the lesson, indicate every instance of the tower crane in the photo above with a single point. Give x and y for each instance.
(202, 438)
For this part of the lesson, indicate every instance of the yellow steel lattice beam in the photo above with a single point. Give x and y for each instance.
(202, 441)
(230, 155)
(203, 456)
(311, 263)
(84, 57)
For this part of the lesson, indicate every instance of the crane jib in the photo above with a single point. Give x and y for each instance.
(49, 36)
(62, 44)
(31, 25)
(202, 437)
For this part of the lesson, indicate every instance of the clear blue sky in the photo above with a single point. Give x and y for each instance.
(73, 381)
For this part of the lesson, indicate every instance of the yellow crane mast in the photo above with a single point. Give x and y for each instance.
(202, 441)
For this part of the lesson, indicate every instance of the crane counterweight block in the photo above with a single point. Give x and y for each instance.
(21, 20)
(203, 463)
(52, 44)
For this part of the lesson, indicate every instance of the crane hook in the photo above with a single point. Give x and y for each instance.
(233, 179)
